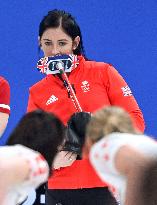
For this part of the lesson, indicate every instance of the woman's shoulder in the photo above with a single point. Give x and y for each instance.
(3, 81)
(38, 85)
(91, 64)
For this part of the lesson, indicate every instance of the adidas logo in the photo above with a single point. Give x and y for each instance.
(51, 99)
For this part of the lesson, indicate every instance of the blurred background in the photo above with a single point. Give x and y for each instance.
(123, 33)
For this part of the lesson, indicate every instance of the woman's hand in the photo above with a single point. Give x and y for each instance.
(64, 159)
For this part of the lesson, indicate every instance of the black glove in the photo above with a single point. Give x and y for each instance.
(75, 133)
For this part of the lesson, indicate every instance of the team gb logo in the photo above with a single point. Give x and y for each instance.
(85, 86)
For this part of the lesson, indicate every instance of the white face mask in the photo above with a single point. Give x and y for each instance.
(52, 64)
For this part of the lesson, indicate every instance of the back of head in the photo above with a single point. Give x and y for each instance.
(107, 120)
(76, 131)
(56, 18)
(40, 131)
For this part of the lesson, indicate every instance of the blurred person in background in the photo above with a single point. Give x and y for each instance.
(4, 104)
(34, 143)
(119, 153)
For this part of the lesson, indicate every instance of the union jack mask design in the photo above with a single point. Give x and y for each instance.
(48, 65)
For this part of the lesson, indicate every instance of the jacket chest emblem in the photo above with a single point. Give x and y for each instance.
(85, 86)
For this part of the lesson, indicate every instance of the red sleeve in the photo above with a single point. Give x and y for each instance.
(4, 96)
(120, 95)
(31, 105)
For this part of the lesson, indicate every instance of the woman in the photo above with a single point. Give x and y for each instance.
(121, 155)
(4, 104)
(96, 84)
(39, 131)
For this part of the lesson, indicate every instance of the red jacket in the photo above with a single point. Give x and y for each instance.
(4, 96)
(96, 85)
(79, 175)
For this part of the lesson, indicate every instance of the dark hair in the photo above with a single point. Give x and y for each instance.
(56, 18)
(40, 131)
(76, 132)
(147, 185)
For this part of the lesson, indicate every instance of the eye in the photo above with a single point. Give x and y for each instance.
(48, 43)
(62, 43)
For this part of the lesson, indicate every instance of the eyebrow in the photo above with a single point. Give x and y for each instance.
(63, 40)
(45, 39)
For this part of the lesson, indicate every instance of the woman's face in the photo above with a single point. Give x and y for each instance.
(55, 41)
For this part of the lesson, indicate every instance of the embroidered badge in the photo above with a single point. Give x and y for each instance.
(85, 86)
(126, 91)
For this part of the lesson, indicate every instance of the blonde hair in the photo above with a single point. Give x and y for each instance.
(107, 120)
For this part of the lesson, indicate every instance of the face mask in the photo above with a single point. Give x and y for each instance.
(49, 65)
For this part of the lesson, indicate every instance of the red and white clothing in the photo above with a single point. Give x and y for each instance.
(102, 155)
(39, 172)
(4, 96)
(96, 85)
